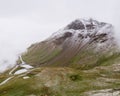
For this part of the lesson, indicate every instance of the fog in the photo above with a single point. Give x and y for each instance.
(23, 22)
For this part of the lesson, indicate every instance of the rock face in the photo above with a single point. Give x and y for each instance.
(86, 32)
(82, 42)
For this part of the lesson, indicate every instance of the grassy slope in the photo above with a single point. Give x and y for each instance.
(98, 72)
(80, 56)
(86, 59)
(62, 81)
(39, 55)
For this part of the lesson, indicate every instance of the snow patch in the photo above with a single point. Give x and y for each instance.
(6, 80)
(26, 66)
(26, 77)
(20, 71)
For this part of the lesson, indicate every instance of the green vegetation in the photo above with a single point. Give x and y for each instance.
(40, 56)
(62, 82)
(108, 60)
(58, 74)
(75, 77)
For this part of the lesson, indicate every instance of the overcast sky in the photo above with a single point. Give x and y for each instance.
(23, 22)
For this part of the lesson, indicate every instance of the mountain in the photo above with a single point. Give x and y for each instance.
(82, 59)
(81, 44)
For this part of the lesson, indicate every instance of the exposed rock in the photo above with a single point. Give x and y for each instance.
(88, 36)
(106, 92)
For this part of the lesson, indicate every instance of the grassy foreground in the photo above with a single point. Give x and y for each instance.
(62, 81)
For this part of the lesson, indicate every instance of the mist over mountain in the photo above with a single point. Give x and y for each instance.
(34, 22)
(80, 59)
(59, 48)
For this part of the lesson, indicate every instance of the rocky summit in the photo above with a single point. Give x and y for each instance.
(81, 59)
(82, 42)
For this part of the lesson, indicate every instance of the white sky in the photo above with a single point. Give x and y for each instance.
(23, 22)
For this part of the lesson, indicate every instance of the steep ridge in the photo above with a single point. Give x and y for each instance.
(82, 42)
(44, 70)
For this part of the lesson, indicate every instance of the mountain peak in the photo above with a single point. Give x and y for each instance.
(85, 31)
(81, 24)
(82, 39)
(85, 28)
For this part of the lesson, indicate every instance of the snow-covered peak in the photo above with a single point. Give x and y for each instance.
(85, 27)
(82, 29)
(86, 31)
(81, 24)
